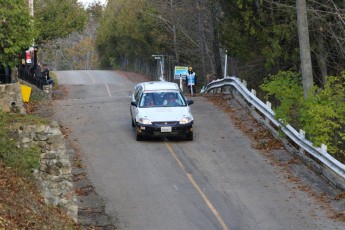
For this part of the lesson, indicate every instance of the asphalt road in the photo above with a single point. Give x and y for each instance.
(217, 181)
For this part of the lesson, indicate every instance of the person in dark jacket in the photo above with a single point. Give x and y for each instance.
(2, 73)
(47, 76)
(8, 73)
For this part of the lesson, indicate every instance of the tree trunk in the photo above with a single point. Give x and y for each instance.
(304, 46)
(322, 60)
(216, 51)
(177, 58)
(201, 42)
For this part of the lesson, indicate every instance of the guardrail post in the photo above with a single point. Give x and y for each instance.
(244, 83)
(269, 105)
(324, 148)
(254, 93)
(302, 134)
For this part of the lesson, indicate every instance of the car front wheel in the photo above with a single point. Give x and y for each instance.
(139, 137)
(189, 136)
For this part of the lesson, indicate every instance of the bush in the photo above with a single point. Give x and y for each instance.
(321, 115)
(285, 91)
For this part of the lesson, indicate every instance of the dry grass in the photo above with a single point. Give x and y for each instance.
(22, 206)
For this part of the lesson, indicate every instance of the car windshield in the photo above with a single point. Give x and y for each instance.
(162, 99)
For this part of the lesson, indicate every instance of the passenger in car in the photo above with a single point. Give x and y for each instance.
(149, 101)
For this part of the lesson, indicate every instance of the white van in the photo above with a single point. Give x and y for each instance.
(159, 108)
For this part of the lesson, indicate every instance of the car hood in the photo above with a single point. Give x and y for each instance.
(159, 114)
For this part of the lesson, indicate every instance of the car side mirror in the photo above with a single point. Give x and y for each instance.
(134, 103)
(190, 102)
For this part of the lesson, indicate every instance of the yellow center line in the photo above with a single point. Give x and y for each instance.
(106, 85)
(93, 80)
(198, 189)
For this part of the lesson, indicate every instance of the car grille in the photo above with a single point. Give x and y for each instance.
(170, 123)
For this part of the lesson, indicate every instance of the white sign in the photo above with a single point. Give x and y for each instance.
(180, 71)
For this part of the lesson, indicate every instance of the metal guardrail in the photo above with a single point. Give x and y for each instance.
(332, 169)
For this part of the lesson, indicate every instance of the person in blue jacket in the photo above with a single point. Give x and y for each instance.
(191, 80)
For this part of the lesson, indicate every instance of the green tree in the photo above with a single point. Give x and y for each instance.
(58, 19)
(261, 38)
(127, 32)
(77, 51)
(181, 30)
(16, 32)
(327, 30)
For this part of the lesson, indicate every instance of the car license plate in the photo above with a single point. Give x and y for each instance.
(165, 129)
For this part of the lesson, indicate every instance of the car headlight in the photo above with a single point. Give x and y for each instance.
(145, 121)
(185, 120)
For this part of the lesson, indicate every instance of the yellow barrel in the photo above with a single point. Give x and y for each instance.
(26, 91)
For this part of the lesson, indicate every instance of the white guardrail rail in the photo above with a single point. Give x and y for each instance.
(323, 162)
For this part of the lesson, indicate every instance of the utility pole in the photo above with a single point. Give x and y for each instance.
(31, 9)
(304, 46)
(225, 63)
(161, 61)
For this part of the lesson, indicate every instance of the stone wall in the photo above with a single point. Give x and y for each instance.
(46, 93)
(11, 98)
(54, 173)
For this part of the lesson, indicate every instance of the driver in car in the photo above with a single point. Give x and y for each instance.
(171, 100)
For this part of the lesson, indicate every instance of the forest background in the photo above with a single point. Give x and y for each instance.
(261, 38)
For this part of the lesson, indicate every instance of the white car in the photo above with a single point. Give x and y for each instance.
(159, 108)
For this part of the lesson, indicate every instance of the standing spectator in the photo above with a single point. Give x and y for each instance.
(2, 73)
(30, 61)
(8, 73)
(191, 80)
(38, 72)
